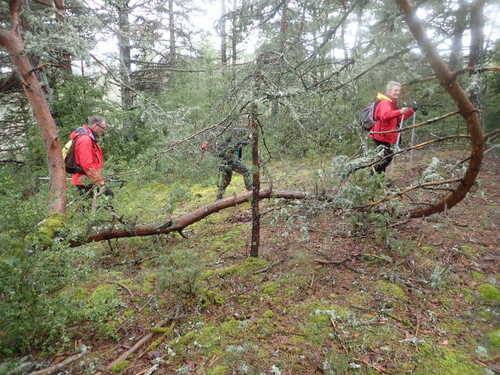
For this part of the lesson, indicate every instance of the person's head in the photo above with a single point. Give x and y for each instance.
(98, 125)
(393, 89)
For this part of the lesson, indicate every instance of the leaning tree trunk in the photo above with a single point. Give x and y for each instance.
(12, 41)
(465, 107)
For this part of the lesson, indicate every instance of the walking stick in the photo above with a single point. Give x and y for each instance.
(399, 133)
(412, 137)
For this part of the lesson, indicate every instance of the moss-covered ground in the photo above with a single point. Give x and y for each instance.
(421, 298)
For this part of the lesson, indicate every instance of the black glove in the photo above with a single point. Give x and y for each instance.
(108, 192)
(414, 106)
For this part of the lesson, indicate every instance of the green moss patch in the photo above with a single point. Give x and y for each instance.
(443, 361)
(244, 269)
(390, 290)
(119, 366)
(494, 341)
(489, 292)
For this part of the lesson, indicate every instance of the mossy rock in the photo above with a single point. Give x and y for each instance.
(390, 290)
(489, 292)
(444, 361)
(44, 234)
(119, 366)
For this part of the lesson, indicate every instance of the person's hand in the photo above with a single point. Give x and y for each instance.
(204, 147)
(404, 109)
(107, 191)
(414, 106)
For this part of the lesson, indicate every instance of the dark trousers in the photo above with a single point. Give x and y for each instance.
(387, 158)
(85, 190)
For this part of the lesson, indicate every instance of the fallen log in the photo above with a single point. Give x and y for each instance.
(177, 225)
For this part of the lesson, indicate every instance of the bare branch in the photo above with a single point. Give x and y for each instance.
(410, 189)
(427, 122)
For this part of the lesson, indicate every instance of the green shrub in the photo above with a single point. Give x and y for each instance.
(181, 273)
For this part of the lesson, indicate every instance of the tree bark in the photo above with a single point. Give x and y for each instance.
(477, 35)
(455, 61)
(234, 36)
(171, 29)
(223, 46)
(465, 107)
(284, 25)
(12, 41)
(65, 57)
(125, 64)
(254, 248)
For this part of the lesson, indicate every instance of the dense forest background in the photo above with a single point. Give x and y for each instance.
(349, 273)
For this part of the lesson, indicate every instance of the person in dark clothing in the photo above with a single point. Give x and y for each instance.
(387, 118)
(229, 152)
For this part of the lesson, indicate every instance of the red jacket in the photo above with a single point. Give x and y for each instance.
(388, 117)
(88, 155)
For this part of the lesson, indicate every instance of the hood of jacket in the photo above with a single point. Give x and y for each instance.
(383, 97)
(82, 130)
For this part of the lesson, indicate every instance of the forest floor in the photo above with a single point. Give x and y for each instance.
(419, 298)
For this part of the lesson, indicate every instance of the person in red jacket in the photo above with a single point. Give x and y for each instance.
(89, 156)
(388, 117)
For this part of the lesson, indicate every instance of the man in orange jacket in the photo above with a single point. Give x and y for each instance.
(89, 156)
(387, 118)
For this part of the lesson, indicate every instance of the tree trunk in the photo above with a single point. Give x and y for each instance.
(458, 32)
(223, 46)
(284, 25)
(171, 29)
(125, 65)
(65, 57)
(234, 36)
(477, 35)
(465, 107)
(11, 40)
(254, 248)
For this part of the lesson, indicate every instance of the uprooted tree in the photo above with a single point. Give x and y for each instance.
(456, 188)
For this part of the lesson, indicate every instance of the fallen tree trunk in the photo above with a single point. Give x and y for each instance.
(177, 225)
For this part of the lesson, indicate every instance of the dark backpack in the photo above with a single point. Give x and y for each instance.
(367, 116)
(70, 163)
